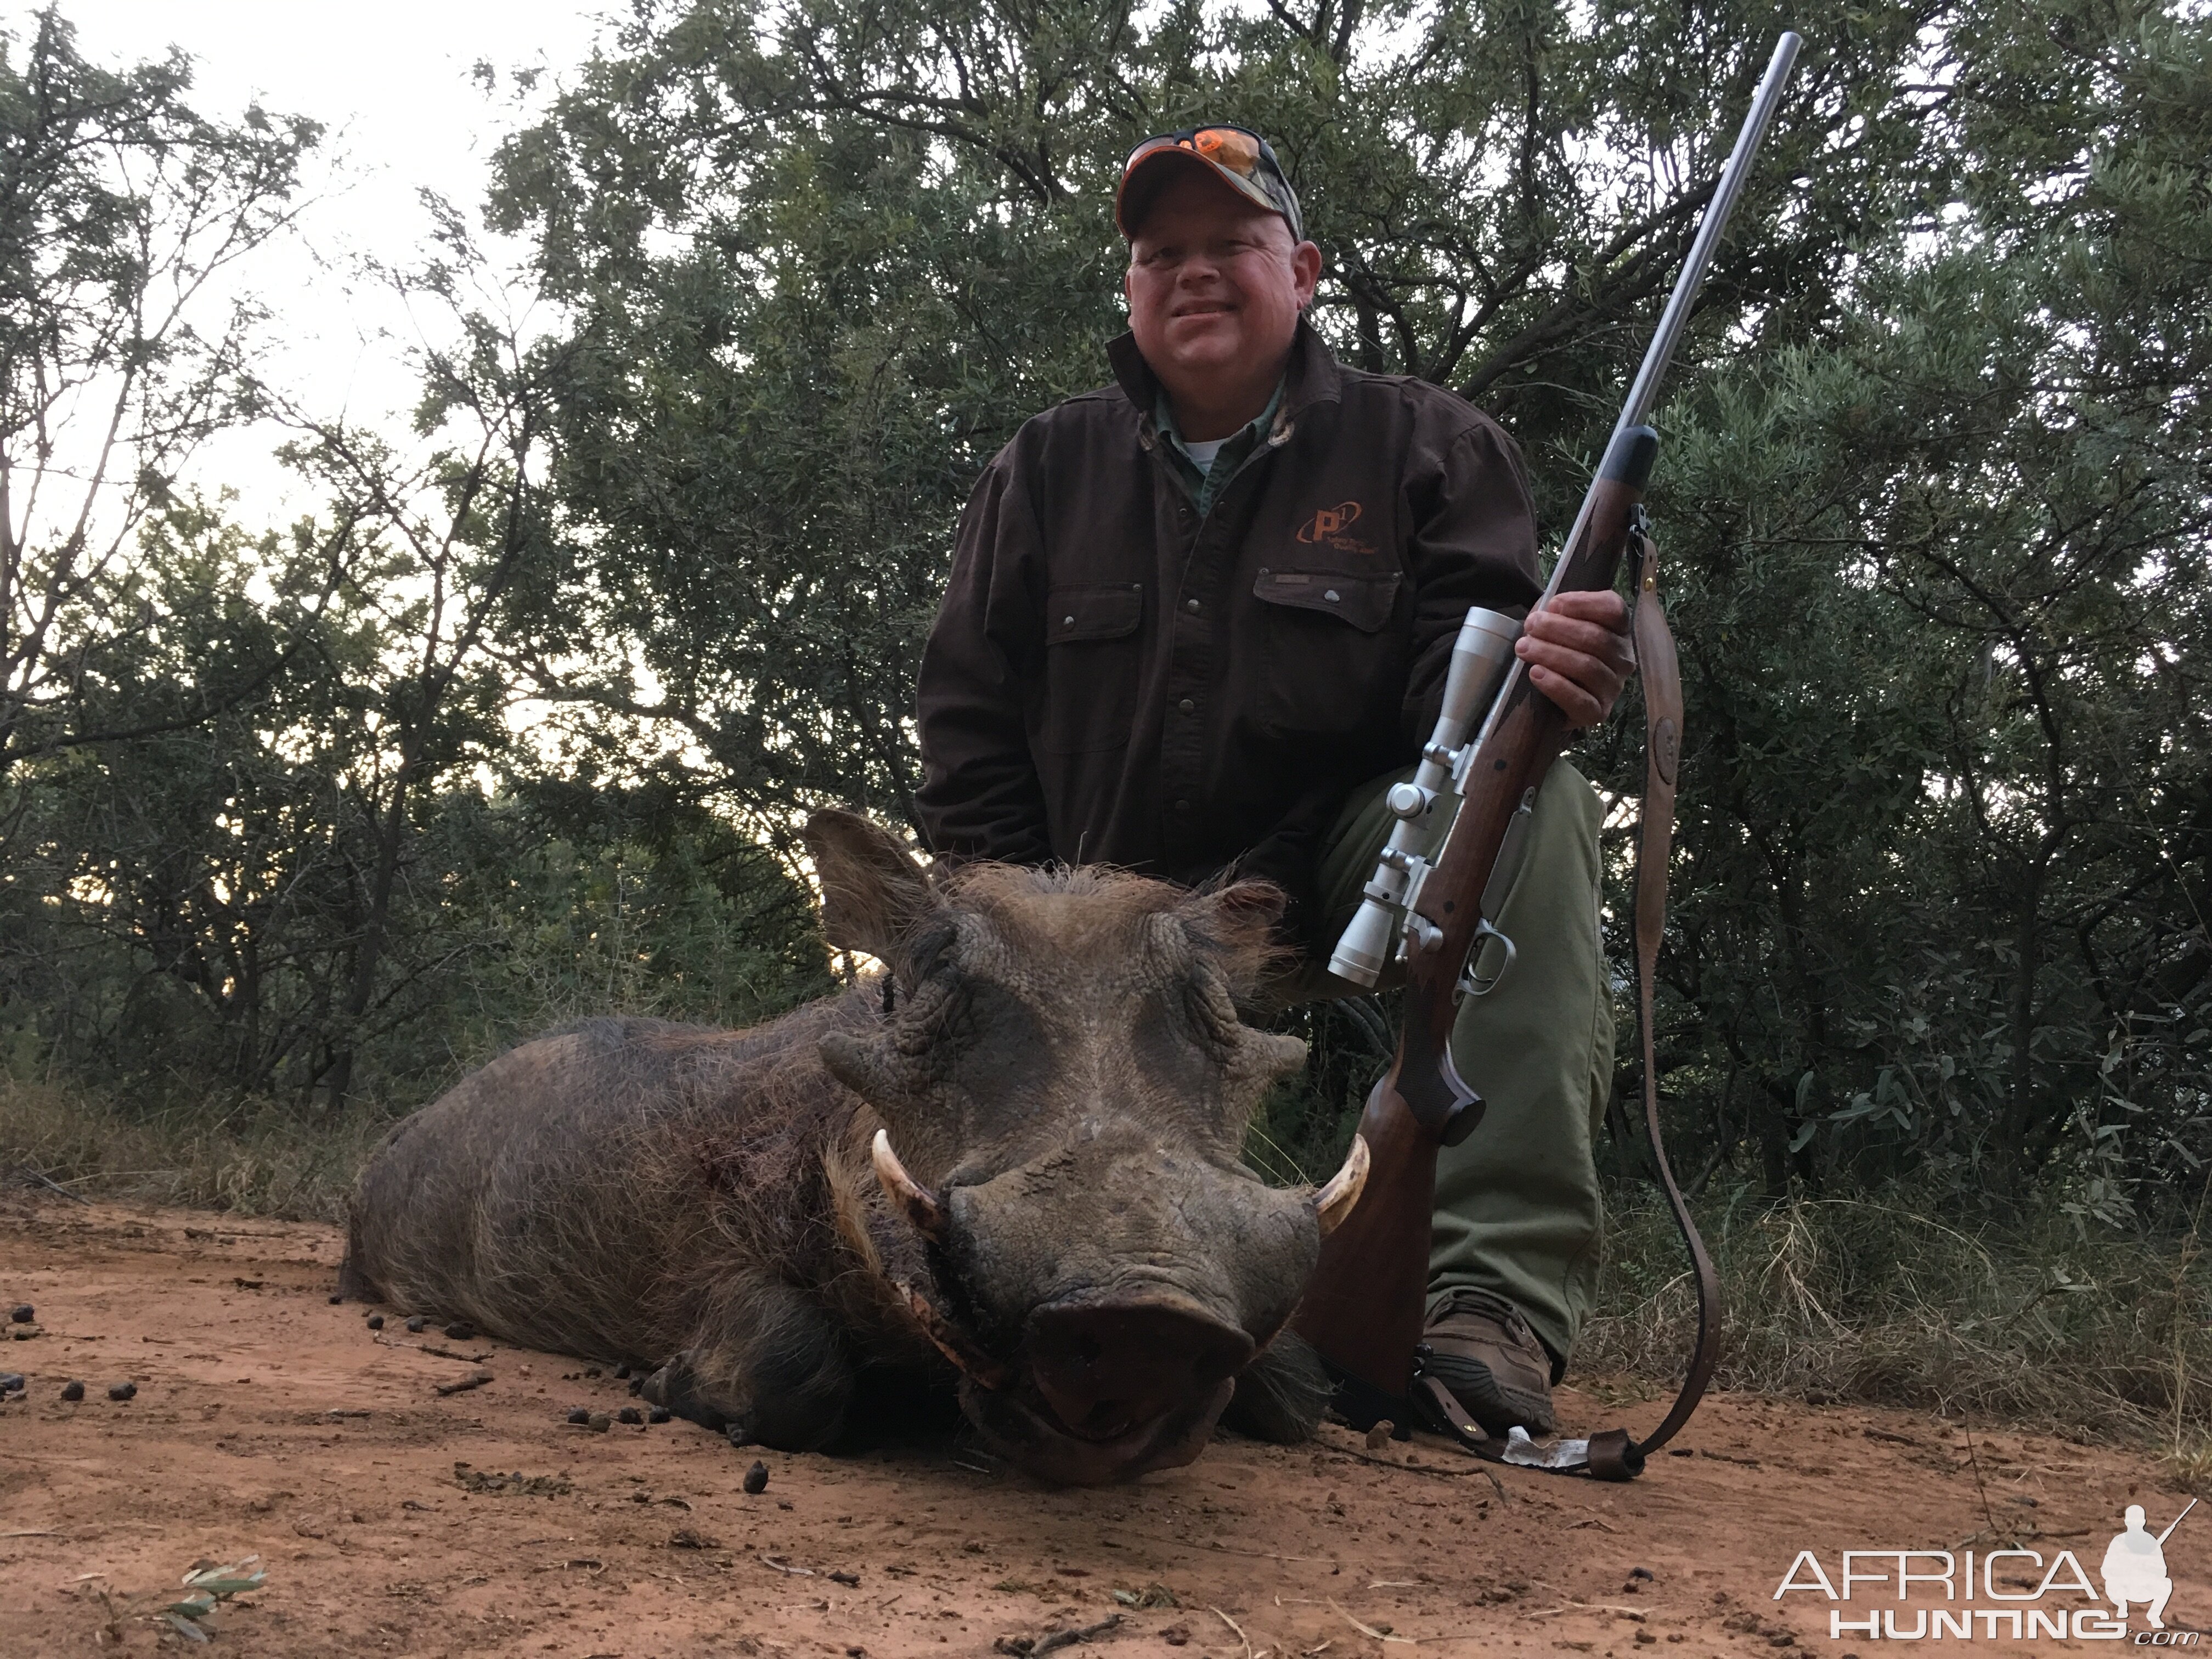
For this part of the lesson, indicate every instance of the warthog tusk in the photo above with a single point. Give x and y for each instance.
(1333, 1202)
(950, 1341)
(914, 1200)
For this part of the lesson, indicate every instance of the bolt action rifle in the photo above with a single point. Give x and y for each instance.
(1363, 1309)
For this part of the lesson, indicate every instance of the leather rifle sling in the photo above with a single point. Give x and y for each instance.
(1612, 1454)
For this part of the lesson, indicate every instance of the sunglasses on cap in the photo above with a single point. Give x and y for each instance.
(1237, 154)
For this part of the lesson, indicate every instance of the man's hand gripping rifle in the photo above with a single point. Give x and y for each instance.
(1363, 1309)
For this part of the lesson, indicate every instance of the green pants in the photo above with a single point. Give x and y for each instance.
(1518, 1211)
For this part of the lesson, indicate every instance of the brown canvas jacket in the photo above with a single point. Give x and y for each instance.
(1112, 678)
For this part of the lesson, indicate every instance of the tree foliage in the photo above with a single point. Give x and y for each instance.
(122, 212)
(638, 589)
(1935, 459)
(270, 830)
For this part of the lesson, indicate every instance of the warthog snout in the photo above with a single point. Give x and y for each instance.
(1107, 1367)
(1113, 1389)
(1103, 1298)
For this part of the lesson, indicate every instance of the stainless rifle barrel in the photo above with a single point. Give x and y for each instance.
(1710, 229)
(1684, 299)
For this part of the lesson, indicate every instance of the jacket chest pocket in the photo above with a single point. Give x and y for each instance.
(1091, 667)
(1332, 659)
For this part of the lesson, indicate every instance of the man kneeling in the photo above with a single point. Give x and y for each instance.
(1201, 619)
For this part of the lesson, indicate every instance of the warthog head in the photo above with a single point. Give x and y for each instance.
(1064, 1085)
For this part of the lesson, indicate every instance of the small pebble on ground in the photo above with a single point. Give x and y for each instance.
(376, 1321)
(72, 1390)
(756, 1477)
(122, 1390)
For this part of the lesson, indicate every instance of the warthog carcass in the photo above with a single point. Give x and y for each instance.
(1014, 1170)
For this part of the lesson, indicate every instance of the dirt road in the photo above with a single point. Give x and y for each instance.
(268, 1422)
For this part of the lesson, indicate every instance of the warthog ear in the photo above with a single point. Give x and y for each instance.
(1235, 924)
(872, 891)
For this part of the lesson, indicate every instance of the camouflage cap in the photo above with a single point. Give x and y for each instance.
(1238, 156)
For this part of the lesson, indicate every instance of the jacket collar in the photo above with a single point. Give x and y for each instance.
(1313, 376)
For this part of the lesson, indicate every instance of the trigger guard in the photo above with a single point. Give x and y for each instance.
(1470, 983)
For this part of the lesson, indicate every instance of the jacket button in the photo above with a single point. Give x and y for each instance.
(1331, 596)
(1191, 605)
(1182, 806)
(1067, 622)
(1187, 707)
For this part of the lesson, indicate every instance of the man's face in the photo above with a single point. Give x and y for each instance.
(1215, 282)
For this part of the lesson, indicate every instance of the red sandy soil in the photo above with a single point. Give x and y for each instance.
(269, 1422)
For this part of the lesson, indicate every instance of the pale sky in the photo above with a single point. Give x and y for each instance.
(391, 82)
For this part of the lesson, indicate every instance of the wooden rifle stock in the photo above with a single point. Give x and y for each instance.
(1365, 1304)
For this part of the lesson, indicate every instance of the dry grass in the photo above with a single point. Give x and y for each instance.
(256, 1159)
(2053, 1322)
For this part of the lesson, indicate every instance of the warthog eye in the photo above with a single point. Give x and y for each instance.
(932, 1014)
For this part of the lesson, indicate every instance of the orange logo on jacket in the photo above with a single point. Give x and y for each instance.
(1326, 523)
(1326, 529)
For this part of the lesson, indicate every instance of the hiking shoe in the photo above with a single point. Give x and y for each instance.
(1477, 1346)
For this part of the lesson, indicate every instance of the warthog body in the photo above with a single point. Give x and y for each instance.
(1055, 1223)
